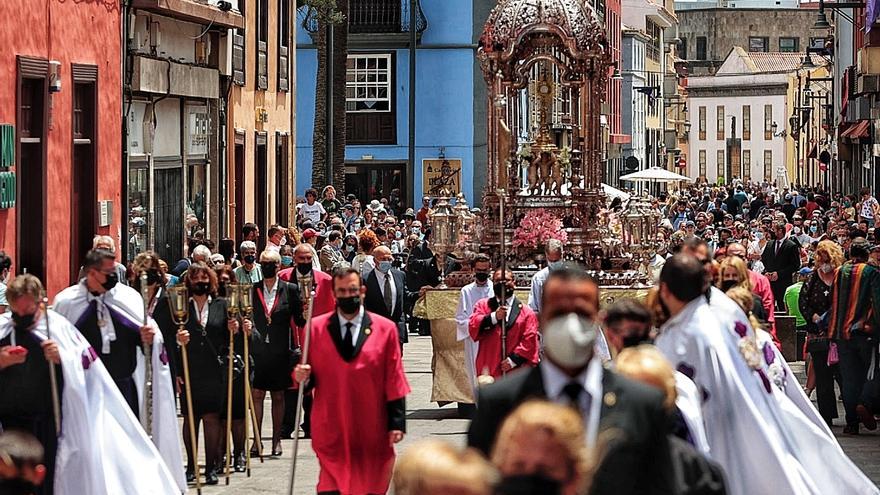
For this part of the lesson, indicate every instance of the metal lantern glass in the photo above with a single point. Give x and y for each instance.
(233, 296)
(245, 303)
(178, 298)
(443, 228)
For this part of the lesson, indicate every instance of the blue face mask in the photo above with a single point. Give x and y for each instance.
(554, 265)
(287, 260)
(384, 266)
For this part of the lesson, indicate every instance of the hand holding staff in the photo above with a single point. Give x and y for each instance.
(302, 372)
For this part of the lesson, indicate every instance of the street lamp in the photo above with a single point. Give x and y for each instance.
(822, 20)
(807, 62)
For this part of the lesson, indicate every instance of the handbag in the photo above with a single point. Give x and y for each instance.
(833, 357)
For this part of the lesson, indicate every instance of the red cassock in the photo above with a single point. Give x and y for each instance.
(350, 414)
(522, 337)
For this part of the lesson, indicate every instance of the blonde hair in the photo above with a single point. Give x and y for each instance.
(742, 271)
(646, 364)
(435, 467)
(832, 250)
(562, 424)
(24, 285)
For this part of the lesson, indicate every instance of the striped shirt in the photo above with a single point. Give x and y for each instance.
(855, 300)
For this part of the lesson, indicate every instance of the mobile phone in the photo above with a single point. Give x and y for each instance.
(17, 350)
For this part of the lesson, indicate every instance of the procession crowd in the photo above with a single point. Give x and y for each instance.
(686, 392)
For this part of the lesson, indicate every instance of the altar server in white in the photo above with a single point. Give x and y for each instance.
(110, 316)
(755, 432)
(480, 288)
(102, 448)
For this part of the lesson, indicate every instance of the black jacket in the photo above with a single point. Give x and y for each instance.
(374, 302)
(287, 311)
(633, 428)
(785, 263)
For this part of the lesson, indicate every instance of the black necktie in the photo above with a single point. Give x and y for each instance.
(347, 344)
(573, 391)
(389, 301)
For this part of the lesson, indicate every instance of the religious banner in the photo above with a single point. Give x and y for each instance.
(439, 174)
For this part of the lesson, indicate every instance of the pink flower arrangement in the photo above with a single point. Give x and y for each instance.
(538, 227)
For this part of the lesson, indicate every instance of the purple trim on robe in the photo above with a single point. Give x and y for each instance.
(769, 356)
(89, 356)
(92, 309)
(122, 318)
(163, 356)
(740, 328)
(686, 370)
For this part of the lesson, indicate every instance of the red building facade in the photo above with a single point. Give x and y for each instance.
(60, 88)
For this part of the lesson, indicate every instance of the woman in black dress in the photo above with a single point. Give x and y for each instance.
(225, 278)
(277, 307)
(814, 302)
(207, 325)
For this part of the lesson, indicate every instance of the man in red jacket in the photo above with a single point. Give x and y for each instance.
(360, 389)
(308, 280)
(485, 327)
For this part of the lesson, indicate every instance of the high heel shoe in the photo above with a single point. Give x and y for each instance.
(276, 449)
(255, 452)
(240, 464)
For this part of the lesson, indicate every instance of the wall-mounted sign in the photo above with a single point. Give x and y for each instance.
(198, 128)
(439, 174)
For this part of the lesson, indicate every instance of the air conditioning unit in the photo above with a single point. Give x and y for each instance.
(868, 83)
(225, 52)
(868, 60)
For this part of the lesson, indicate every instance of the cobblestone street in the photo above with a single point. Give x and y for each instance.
(425, 419)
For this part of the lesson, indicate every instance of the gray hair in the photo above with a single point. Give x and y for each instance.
(553, 246)
(203, 252)
(247, 245)
(101, 240)
(270, 255)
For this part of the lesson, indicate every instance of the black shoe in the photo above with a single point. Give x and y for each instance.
(255, 452)
(286, 433)
(240, 465)
(851, 430)
(306, 433)
(190, 476)
(211, 477)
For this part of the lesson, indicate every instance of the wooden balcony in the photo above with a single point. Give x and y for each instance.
(196, 11)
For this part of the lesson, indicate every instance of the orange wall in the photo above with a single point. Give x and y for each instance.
(86, 32)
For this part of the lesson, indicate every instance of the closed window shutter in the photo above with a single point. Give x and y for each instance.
(283, 43)
(262, 65)
(283, 69)
(238, 57)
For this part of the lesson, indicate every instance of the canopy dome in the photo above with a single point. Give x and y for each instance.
(573, 21)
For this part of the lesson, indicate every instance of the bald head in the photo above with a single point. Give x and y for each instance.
(382, 253)
(736, 249)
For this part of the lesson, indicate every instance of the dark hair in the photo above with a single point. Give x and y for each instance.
(248, 228)
(685, 277)
(859, 249)
(343, 271)
(22, 448)
(227, 248)
(5, 261)
(312, 192)
(273, 230)
(225, 269)
(95, 258)
(333, 236)
(286, 250)
(627, 309)
(380, 232)
(195, 269)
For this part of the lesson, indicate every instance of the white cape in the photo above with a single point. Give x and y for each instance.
(102, 448)
(470, 294)
(127, 303)
(757, 434)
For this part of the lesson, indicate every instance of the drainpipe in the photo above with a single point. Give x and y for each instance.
(410, 196)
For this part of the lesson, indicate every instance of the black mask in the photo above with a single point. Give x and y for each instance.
(17, 487)
(153, 277)
(528, 484)
(304, 268)
(634, 340)
(111, 279)
(502, 287)
(349, 305)
(201, 288)
(269, 269)
(221, 289)
(481, 277)
(22, 322)
(249, 259)
(726, 285)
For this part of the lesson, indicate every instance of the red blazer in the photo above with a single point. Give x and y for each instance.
(522, 337)
(325, 302)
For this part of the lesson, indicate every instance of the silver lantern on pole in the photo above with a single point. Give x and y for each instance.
(444, 232)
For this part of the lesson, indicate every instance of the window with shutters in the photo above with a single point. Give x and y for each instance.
(369, 99)
(747, 165)
(238, 44)
(721, 172)
(283, 45)
(701, 48)
(702, 164)
(702, 123)
(262, 70)
(768, 165)
(747, 122)
(719, 123)
(768, 122)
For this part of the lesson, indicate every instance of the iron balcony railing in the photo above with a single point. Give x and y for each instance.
(375, 16)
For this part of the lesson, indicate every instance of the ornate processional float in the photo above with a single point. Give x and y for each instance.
(547, 65)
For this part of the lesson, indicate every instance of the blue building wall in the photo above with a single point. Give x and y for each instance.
(444, 97)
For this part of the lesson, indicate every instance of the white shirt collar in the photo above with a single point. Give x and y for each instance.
(555, 379)
(355, 323)
(273, 288)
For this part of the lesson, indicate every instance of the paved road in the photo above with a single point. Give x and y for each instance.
(425, 419)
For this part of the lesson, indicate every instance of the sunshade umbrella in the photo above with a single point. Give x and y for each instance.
(655, 174)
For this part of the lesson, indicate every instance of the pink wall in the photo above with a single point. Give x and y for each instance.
(70, 31)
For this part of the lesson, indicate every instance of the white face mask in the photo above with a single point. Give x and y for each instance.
(569, 339)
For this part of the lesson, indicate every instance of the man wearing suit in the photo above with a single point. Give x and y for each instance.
(627, 417)
(781, 260)
(386, 290)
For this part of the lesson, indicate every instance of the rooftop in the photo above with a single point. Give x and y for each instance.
(739, 61)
